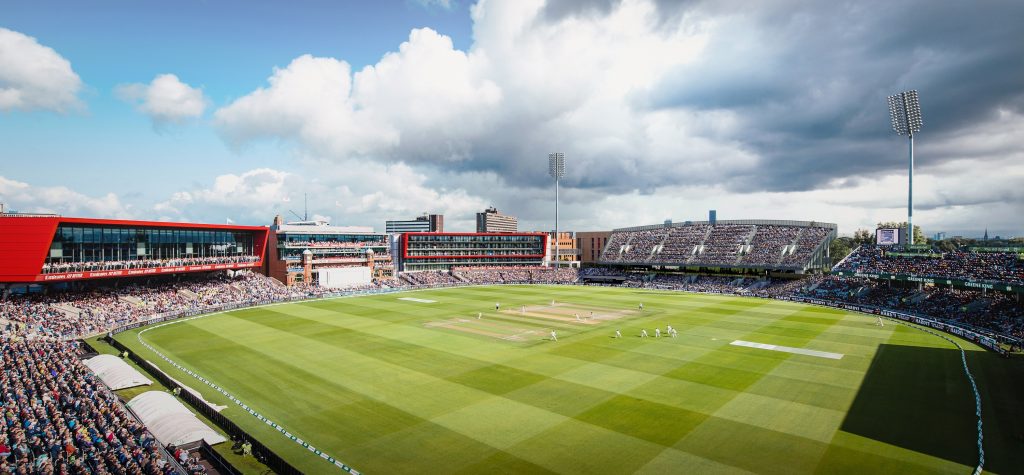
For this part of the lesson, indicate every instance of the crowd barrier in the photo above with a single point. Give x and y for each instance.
(261, 452)
(163, 450)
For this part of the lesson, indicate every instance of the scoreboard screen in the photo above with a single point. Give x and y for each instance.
(887, 236)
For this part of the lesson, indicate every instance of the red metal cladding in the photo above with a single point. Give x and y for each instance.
(25, 242)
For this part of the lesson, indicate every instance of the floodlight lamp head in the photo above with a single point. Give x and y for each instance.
(905, 111)
(556, 165)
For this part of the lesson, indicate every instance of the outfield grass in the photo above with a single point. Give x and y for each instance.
(400, 386)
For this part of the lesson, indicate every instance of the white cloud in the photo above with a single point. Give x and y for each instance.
(662, 110)
(33, 76)
(166, 100)
(444, 4)
(524, 87)
(248, 197)
(23, 197)
(355, 193)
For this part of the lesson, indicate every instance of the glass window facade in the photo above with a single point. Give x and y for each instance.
(444, 251)
(74, 243)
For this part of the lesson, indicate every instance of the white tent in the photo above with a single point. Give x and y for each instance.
(115, 373)
(170, 421)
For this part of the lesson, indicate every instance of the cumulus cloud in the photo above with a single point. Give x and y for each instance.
(248, 196)
(166, 100)
(35, 77)
(24, 197)
(358, 193)
(668, 102)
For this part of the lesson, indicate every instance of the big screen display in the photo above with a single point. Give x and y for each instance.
(887, 236)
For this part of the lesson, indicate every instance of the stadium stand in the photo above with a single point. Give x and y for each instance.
(987, 312)
(59, 419)
(750, 244)
(96, 310)
(681, 242)
(960, 264)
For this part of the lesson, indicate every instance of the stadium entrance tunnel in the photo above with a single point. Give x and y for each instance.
(918, 398)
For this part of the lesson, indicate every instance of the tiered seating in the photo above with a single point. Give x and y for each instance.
(995, 266)
(719, 245)
(101, 309)
(642, 243)
(805, 245)
(768, 244)
(723, 244)
(59, 419)
(612, 249)
(681, 241)
(996, 312)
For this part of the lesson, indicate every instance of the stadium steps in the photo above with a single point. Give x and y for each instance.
(843, 261)
(978, 305)
(188, 293)
(68, 309)
(918, 297)
(791, 247)
(699, 249)
(745, 242)
(134, 301)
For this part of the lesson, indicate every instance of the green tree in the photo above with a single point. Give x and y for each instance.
(918, 234)
(863, 236)
(840, 248)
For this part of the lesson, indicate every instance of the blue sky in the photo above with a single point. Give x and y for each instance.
(205, 111)
(226, 48)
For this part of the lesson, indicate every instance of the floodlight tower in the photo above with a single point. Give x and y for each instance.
(556, 168)
(905, 110)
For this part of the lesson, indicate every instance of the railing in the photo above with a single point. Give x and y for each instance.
(215, 459)
(163, 450)
(260, 451)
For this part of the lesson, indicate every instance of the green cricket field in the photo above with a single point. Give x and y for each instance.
(441, 381)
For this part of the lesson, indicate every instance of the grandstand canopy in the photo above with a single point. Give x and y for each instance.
(170, 421)
(115, 373)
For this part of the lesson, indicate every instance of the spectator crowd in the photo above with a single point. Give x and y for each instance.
(1004, 267)
(94, 266)
(717, 245)
(58, 418)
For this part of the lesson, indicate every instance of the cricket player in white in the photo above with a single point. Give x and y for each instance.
(523, 310)
(577, 317)
(643, 333)
(674, 333)
(618, 334)
(554, 337)
(641, 306)
(479, 314)
(552, 303)
(496, 306)
(668, 329)
(880, 323)
(657, 332)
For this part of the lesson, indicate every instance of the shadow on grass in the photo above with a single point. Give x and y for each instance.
(917, 398)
